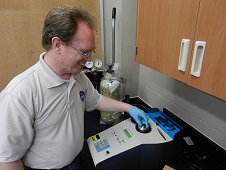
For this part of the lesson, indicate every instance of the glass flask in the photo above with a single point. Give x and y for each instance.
(112, 86)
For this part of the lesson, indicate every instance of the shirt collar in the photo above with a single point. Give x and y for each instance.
(50, 78)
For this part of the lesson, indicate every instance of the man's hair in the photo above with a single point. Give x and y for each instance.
(62, 22)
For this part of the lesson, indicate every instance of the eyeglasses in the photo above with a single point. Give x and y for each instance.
(84, 55)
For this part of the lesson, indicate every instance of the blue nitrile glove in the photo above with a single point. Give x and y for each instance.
(139, 116)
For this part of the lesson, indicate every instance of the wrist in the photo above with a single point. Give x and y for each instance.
(129, 108)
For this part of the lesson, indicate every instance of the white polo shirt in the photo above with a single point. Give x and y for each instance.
(42, 117)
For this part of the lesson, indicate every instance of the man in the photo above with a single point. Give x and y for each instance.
(42, 109)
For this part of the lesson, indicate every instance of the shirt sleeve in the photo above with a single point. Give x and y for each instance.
(93, 97)
(16, 130)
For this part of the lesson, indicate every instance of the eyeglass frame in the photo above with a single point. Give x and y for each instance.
(84, 55)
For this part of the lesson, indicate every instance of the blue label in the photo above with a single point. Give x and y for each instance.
(102, 145)
(82, 95)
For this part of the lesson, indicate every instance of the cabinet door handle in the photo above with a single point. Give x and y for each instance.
(197, 58)
(184, 48)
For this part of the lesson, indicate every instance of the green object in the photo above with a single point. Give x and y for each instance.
(111, 86)
(127, 133)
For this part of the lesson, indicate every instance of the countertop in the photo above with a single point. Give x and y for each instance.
(204, 155)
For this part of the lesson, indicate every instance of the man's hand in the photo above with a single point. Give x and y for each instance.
(139, 116)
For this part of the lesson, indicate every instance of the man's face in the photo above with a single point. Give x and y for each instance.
(83, 42)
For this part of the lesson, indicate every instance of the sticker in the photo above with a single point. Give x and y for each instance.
(94, 138)
(82, 95)
(102, 145)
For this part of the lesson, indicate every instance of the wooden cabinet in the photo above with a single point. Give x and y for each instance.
(161, 26)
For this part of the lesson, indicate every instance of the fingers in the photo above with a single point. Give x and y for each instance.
(138, 121)
(139, 116)
(144, 120)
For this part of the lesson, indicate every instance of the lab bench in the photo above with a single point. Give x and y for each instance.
(204, 155)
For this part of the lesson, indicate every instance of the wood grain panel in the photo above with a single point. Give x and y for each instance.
(161, 25)
(21, 27)
(211, 27)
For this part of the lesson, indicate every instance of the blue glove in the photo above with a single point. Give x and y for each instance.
(139, 116)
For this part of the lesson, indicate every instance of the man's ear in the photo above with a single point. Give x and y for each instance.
(56, 43)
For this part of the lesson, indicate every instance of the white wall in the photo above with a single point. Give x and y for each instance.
(125, 35)
(205, 113)
(107, 11)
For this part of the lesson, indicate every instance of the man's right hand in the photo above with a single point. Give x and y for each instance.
(139, 116)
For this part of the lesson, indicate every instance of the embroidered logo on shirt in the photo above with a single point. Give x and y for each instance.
(82, 95)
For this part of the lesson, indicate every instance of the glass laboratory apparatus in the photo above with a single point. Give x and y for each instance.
(112, 86)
